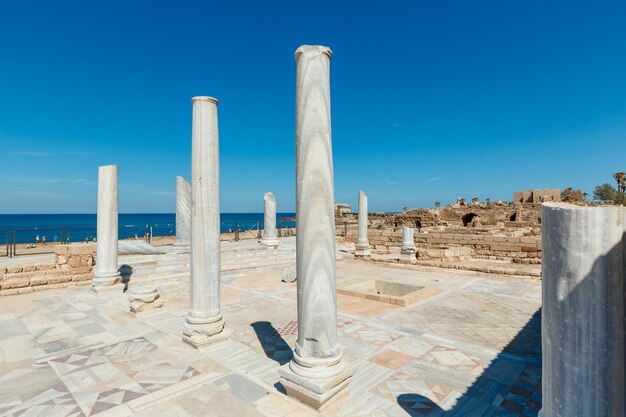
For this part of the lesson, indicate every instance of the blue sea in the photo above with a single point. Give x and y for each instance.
(79, 227)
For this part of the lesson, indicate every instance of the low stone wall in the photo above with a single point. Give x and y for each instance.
(73, 266)
(521, 249)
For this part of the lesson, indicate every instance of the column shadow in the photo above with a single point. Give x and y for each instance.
(272, 342)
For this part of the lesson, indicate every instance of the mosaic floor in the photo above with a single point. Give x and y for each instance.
(471, 350)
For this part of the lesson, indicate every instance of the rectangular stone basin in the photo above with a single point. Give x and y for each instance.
(389, 292)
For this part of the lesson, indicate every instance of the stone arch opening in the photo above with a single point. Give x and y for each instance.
(513, 217)
(467, 218)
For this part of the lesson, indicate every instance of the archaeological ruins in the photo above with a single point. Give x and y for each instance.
(472, 309)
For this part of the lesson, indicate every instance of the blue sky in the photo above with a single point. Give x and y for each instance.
(430, 99)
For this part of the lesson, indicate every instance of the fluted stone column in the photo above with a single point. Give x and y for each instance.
(106, 274)
(204, 323)
(183, 216)
(317, 371)
(362, 244)
(407, 248)
(269, 221)
(582, 317)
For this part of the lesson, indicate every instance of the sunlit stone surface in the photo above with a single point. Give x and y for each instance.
(204, 323)
(106, 274)
(407, 249)
(362, 244)
(583, 310)
(269, 221)
(317, 371)
(183, 216)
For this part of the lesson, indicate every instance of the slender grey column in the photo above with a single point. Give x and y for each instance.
(407, 248)
(205, 323)
(183, 216)
(105, 271)
(317, 371)
(269, 221)
(362, 244)
(582, 317)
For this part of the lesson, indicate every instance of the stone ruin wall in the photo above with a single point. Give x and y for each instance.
(73, 266)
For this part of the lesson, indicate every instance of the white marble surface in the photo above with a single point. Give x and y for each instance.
(183, 216)
(105, 270)
(204, 322)
(583, 310)
(408, 243)
(317, 370)
(269, 221)
(362, 241)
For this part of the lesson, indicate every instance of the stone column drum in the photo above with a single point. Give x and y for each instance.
(183, 216)
(407, 248)
(362, 244)
(317, 371)
(106, 273)
(582, 317)
(204, 323)
(269, 221)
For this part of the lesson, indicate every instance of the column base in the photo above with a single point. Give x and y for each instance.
(104, 290)
(363, 251)
(272, 242)
(407, 256)
(315, 392)
(181, 248)
(199, 332)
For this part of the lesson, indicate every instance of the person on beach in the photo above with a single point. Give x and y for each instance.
(43, 239)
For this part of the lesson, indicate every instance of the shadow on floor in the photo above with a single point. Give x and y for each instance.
(510, 386)
(272, 342)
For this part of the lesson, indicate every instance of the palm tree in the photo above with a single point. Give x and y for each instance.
(437, 204)
(487, 201)
(474, 199)
(620, 178)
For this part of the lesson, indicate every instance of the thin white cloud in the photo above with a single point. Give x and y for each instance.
(34, 153)
(41, 194)
(79, 153)
(40, 180)
(396, 124)
(434, 179)
(389, 182)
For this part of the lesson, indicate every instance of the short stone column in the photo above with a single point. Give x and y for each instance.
(582, 317)
(317, 371)
(204, 323)
(144, 299)
(407, 248)
(362, 244)
(269, 221)
(106, 274)
(183, 216)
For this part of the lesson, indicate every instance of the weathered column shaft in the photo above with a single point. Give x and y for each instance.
(582, 319)
(106, 271)
(183, 215)
(269, 221)
(317, 371)
(408, 242)
(204, 319)
(362, 238)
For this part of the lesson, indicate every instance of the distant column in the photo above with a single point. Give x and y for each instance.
(582, 316)
(317, 371)
(362, 244)
(106, 273)
(407, 248)
(269, 221)
(204, 323)
(183, 216)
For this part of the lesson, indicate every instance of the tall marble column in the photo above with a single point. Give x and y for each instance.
(204, 323)
(582, 317)
(407, 248)
(317, 371)
(183, 216)
(362, 244)
(269, 221)
(106, 274)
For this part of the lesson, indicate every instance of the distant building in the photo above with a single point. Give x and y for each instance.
(342, 209)
(537, 196)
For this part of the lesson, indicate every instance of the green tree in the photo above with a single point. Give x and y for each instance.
(572, 195)
(437, 204)
(620, 179)
(605, 192)
(487, 201)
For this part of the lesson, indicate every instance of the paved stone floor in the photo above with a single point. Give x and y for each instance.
(473, 349)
